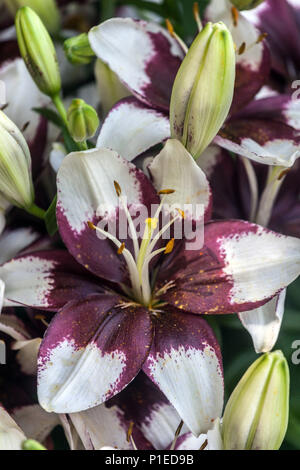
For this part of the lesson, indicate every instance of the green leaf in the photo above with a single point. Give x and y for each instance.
(107, 9)
(143, 5)
(51, 116)
(50, 218)
(55, 118)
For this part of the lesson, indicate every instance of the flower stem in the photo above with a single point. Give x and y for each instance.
(36, 211)
(60, 108)
(83, 145)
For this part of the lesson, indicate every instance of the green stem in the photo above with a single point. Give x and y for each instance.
(36, 211)
(83, 145)
(61, 109)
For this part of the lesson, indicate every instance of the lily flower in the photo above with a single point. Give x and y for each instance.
(235, 196)
(121, 311)
(160, 55)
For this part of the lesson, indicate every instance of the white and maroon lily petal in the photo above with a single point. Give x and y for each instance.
(35, 422)
(27, 355)
(241, 267)
(185, 363)
(71, 434)
(264, 323)
(253, 61)
(11, 435)
(104, 426)
(131, 128)
(145, 405)
(45, 280)
(86, 192)
(190, 442)
(19, 109)
(12, 326)
(271, 143)
(174, 168)
(281, 108)
(15, 241)
(91, 351)
(144, 55)
(210, 441)
(280, 20)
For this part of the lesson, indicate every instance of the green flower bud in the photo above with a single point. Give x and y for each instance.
(246, 4)
(31, 444)
(256, 415)
(83, 120)
(203, 89)
(78, 50)
(15, 165)
(46, 9)
(38, 51)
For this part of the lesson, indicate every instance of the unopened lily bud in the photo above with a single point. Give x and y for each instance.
(38, 52)
(246, 4)
(15, 165)
(83, 120)
(78, 50)
(256, 415)
(31, 444)
(46, 9)
(203, 89)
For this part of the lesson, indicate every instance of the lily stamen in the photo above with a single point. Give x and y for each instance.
(139, 267)
(244, 48)
(132, 268)
(196, 14)
(117, 188)
(235, 15)
(132, 229)
(169, 285)
(181, 43)
(121, 249)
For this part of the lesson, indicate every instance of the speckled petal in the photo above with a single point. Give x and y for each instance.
(241, 267)
(185, 363)
(91, 351)
(46, 280)
(87, 193)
